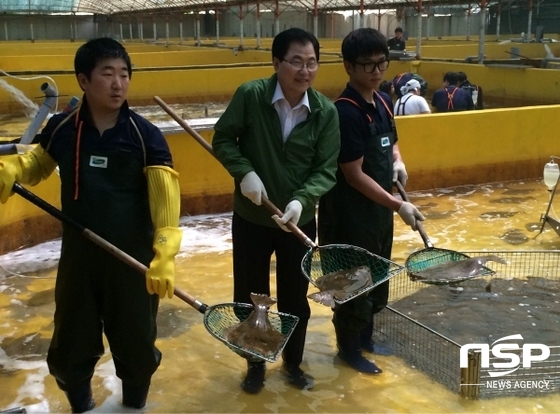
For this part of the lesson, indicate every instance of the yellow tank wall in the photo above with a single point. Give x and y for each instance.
(19, 48)
(530, 84)
(439, 150)
(24, 224)
(200, 174)
(491, 50)
(201, 85)
(477, 146)
(474, 38)
(155, 58)
(18, 208)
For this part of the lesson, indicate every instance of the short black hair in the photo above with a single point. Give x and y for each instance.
(386, 87)
(363, 42)
(283, 40)
(451, 77)
(91, 53)
(461, 76)
(398, 29)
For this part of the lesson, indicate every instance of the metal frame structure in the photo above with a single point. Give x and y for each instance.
(116, 7)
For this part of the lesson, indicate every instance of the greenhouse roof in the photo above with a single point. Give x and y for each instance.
(109, 7)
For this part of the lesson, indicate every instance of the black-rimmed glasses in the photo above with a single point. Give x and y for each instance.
(299, 65)
(369, 67)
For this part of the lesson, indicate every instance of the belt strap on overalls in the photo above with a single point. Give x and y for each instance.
(78, 123)
(450, 98)
(358, 105)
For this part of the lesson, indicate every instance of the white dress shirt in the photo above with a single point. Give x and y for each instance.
(289, 117)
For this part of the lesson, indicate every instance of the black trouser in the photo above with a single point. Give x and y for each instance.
(97, 293)
(356, 315)
(253, 246)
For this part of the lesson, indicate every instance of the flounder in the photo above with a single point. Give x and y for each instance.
(256, 333)
(341, 284)
(450, 272)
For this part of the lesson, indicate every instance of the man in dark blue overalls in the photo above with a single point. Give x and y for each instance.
(451, 98)
(359, 209)
(118, 181)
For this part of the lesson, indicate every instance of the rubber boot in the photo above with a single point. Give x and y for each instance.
(135, 396)
(254, 380)
(349, 350)
(370, 346)
(365, 338)
(80, 398)
(297, 377)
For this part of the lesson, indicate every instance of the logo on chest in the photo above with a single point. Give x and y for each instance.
(98, 162)
(385, 141)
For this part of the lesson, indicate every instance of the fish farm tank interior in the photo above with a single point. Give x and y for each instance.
(199, 373)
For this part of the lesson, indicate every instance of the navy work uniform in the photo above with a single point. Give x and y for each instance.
(346, 215)
(104, 189)
(452, 99)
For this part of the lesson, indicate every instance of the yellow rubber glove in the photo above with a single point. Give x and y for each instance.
(160, 278)
(10, 173)
(165, 202)
(29, 168)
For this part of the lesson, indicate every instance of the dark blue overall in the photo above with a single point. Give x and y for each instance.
(105, 190)
(347, 216)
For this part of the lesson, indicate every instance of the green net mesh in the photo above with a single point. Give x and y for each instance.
(331, 258)
(219, 318)
(426, 258)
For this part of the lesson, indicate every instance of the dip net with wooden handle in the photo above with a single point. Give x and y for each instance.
(219, 318)
(320, 261)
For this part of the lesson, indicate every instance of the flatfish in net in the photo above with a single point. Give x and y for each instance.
(450, 272)
(256, 333)
(341, 284)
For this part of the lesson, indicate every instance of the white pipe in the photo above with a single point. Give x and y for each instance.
(8, 149)
(48, 104)
(418, 34)
(482, 35)
(218, 30)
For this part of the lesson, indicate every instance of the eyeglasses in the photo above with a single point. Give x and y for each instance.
(369, 67)
(299, 65)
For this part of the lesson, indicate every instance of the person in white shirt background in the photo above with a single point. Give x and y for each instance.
(411, 103)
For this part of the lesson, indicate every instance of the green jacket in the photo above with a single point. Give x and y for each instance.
(248, 137)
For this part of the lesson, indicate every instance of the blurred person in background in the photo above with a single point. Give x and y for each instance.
(411, 103)
(397, 42)
(473, 90)
(451, 98)
(388, 88)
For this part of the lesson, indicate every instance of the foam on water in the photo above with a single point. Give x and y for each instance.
(201, 234)
(198, 373)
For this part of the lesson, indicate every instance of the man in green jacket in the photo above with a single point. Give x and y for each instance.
(278, 139)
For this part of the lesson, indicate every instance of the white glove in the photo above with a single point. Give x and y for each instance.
(399, 172)
(409, 213)
(253, 188)
(292, 213)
